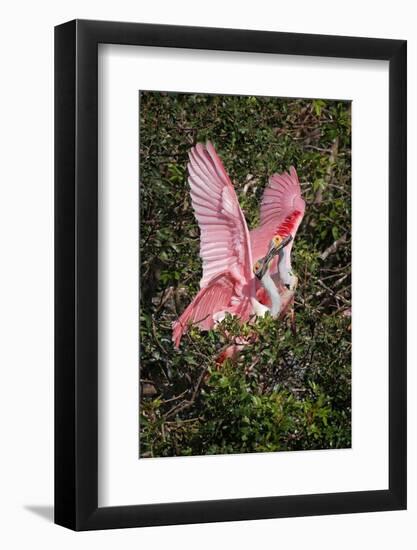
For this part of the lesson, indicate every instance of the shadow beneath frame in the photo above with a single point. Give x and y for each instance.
(45, 512)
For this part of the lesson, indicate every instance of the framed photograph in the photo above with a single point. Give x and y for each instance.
(230, 252)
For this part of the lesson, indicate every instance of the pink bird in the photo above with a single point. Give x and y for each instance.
(236, 261)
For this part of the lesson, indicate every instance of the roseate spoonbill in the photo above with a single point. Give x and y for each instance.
(234, 258)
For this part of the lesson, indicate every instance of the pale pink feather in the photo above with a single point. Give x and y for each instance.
(224, 235)
(217, 297)
(227, 282)
(282, 210)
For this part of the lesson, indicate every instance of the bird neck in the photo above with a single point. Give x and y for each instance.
(273, 294)
(283, 264)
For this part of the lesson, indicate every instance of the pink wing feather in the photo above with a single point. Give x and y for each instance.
(224, 238)
(219, 296)
(227, 282)
(282, 209)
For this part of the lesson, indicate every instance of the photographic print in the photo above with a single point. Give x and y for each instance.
(245, 274)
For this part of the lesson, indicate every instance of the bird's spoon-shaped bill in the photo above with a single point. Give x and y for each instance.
(273, 251)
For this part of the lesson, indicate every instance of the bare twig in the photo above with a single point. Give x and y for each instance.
(183, 421)
(315, 148)
(250, 180)
(333, 293)
(186, 404)
(166, 295)
(175, 398)
(333, 248)
(157, 342)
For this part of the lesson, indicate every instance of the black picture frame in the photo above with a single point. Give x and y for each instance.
(76, 271)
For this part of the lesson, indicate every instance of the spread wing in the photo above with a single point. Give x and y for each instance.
(281, 198)
(282, 209)
(224, 235)
(211, 304)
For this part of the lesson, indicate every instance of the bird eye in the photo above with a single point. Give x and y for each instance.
(277, 240)
(257, 266)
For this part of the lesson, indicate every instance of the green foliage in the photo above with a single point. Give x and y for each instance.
(285, 391)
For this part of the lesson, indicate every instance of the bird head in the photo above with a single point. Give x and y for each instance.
(260, 267)
(278, 243)
(275, 247)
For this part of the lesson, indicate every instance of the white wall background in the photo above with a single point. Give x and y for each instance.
(26, 285)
